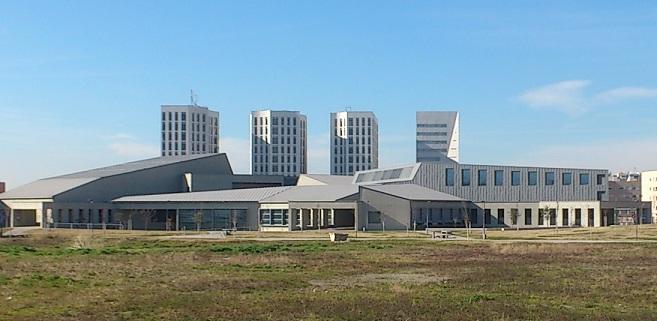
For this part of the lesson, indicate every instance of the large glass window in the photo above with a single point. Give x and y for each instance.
(549, 178)
(500, 216)
(465, 177)
(499, 177)
(487, 216)
(528, 216)
(515, 178)
(567, 178)
(274, 216)
(532, 178)
(373, 217)
(584, 179)
(449, 176)
(482, 177)
(599, 179)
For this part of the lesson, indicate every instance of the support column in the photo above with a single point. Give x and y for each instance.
(292, 219)
(301, 218)
(332, 221)
(177, 220)
(11, 217)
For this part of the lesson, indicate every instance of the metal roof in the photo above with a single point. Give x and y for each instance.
(45, 188)
(413, 192)
(317, 193)
(49, 187)
(135, 166)
(324, 179)
(231, 195)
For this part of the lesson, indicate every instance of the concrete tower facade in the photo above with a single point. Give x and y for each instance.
(437, 136)
(279, 144)
(354, 142)
(189, 130)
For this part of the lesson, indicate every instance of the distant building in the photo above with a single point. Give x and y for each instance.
(279, 143)
(189, 130)
(354, 142)
(437, 136)
(625, 176)
(649, 190)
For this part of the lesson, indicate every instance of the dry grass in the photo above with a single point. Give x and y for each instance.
(64, 276)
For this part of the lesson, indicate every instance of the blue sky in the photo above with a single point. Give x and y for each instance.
(546, 83)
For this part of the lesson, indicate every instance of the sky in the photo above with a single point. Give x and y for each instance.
(553, 83)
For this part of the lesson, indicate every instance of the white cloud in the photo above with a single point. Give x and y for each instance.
(134, 149)
(624, 93)
(615, 155)
(237, 150)
(565, 96)
(571, 98)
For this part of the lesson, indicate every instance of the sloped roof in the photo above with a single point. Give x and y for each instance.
(318, 193)
(413, 192)
(45, 188)
(232, 195)
(134, 166)
(324, 179)
(49, 187)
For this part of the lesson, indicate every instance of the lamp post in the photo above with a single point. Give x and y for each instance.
(483, 222)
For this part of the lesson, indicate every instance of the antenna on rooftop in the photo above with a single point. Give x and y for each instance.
(347, 108)
(193, 97)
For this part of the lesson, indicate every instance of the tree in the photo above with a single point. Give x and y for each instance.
(148, 216)
(467, 220)
(546, 215)
(198, 219)
(515, 215)
(125, 217)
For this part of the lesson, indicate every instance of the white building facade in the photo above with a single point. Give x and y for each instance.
(189, 130)
(354, 142)
(279, 144)
(649, 190)
(437, 136)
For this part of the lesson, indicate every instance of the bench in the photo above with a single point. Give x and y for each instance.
(443, 234)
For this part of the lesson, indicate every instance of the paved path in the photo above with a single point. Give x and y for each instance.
(19, 231)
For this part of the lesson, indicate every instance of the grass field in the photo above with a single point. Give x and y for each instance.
(140, 276)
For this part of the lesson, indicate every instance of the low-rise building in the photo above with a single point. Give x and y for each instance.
(649, 190)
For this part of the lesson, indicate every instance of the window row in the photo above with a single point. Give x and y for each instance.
(515, 178)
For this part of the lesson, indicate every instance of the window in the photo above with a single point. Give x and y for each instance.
(567, 178)
(515, 178)
(532, 178)
(578, 216)
(591, 217)
(600, 179)
(482, 177)
(514, 216)
(473, 216)
(373, 217)
(449, 176)
(549, 178)
(465, 177)
(499, 178)
(487, 216)
(584, 179)
(564, 217)
(528, 216)
(500, 216)
(601, 195)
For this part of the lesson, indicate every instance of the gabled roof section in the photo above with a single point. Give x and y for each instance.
(49, 187)
(318, 193)
(45, 188)
(413, 192)
(135, 166)
(387, 175)
(324, 179)
(232, 195)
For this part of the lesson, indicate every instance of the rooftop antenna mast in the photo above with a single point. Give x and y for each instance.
(193, 98)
